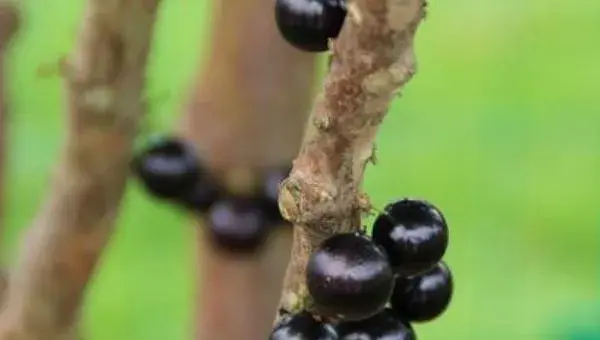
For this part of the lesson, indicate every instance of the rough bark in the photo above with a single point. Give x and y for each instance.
(372, 59)
(104, 83)
(247, 112)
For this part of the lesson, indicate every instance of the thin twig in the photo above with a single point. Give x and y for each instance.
(373, 59)
(104, 87)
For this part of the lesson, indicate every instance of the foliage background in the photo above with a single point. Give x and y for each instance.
(500, 128)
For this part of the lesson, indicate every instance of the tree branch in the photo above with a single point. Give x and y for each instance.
(373, 59)
(105, 79)
(247, 112)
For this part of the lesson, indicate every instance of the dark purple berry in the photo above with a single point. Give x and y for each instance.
(425, 296)
(269, 192)
(302, 326)
(168, 169)
(383, 326)
(203, 195)
(237, 225)
(309, 24)
(349, 277)
(413, 233)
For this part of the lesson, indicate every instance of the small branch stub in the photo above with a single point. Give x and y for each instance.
(373, 59)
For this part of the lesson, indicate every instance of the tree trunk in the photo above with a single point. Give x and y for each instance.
(247, 112)
(105, 79)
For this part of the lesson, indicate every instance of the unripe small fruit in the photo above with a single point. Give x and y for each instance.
(383, 326)
(309, 24)
(349, 277)
(413, 233)
(423, 297)
(302, 326)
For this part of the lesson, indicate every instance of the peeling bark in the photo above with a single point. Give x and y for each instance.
(373, 59)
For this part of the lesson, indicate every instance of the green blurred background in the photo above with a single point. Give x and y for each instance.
(500, 128)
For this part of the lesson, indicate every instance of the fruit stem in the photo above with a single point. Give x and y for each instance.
(373, 59)
(104, 84)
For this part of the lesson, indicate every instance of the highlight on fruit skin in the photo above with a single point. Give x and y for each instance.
(383, 326)
(414, 234)
(168, 168)
(309, 24)
(423, 297)
(349, 277)
(302, 326)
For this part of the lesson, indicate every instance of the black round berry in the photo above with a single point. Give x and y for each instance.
(308, 24)
(302, 326)
(349, 277)
(425, 296)
(383, 326)
(202, 195)
(168, 169)
(269, 192)
(413, 233)
(237, 225)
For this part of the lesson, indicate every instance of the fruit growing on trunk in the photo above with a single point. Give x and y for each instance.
(414, 234)
(309, 24)
(349, 277)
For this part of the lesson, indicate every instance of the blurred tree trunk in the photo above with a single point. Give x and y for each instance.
(104, 81)
(246, 112)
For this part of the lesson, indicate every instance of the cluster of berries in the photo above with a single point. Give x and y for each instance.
(309, 24)
(373, 288)
(170, 169)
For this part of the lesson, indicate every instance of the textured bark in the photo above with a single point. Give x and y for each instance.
(105, 79)
(247, 112)
(372, 59)
(9, 23)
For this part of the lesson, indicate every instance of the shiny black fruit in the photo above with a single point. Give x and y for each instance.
(237, 225)
(383, 326)
(308, 24)
(413, 233)
(269, 192)
(423, 297)
(302, 326)
(349, 277)
(168, 169)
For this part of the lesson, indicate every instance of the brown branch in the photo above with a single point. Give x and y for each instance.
(373, 59)
(247, 112)
(9, 23)
(104, 85)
